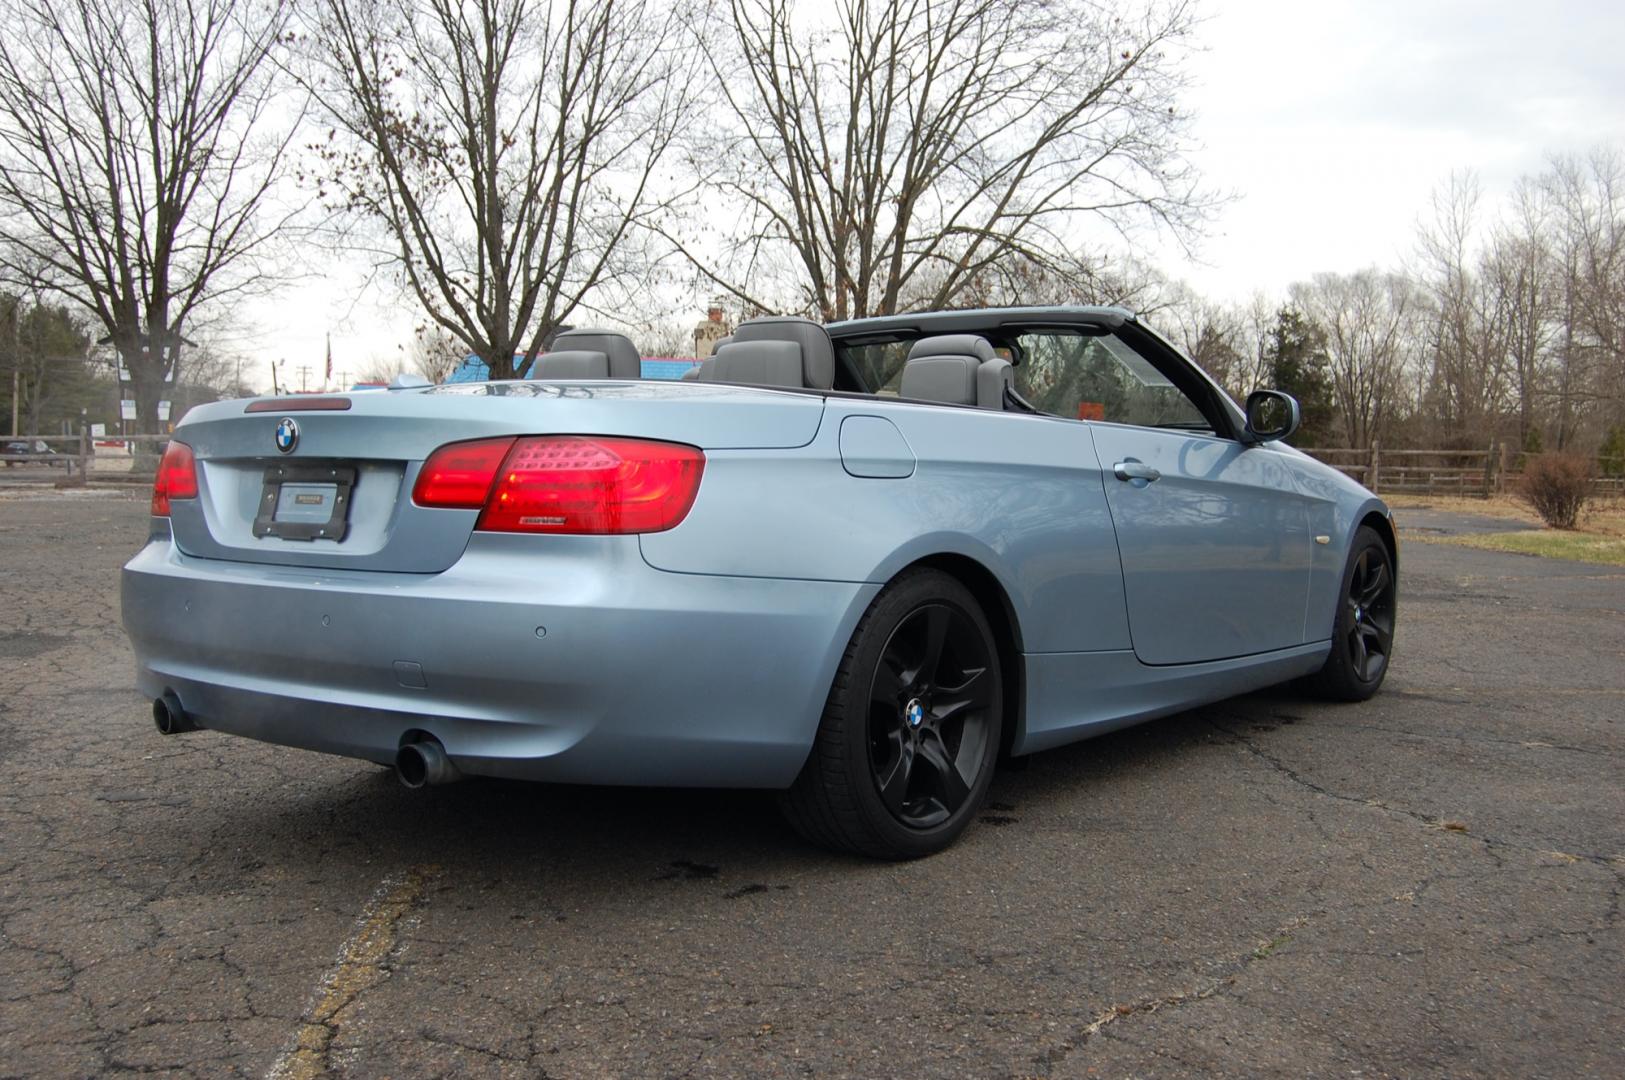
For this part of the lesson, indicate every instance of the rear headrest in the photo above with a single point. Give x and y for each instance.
(817, 351)
(952, 345)
(940, 378)
(624, 361)
(959, 369)
(720, 342)
(571, 364)
(993, 378)
(695, 372)
(758, 363)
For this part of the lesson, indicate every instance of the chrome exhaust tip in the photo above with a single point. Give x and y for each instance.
(419, 764)
(169, 717)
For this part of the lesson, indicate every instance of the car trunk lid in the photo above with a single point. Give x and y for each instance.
(331, 486)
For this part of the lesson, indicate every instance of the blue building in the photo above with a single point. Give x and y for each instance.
(473, 369)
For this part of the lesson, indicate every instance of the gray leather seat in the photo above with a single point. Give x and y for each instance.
(775, 351)
(696, 372)
(589, 354)
(756, 363)
(958, 369)
(571, 364)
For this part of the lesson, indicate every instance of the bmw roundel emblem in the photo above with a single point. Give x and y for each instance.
(287, 434)
(914, 713)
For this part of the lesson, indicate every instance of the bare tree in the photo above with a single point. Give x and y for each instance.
(135, 172)
(1225, 340)
(386, 369)
(1520, 274)
(1587, 202)
(510, 150)
(1371, 336)
(885, 155)
(434, 353)
(1487, 329)
(1071, 279)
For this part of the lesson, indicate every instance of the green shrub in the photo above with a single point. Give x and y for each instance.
(1558, 487)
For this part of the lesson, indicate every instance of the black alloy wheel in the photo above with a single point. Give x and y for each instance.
(928, 715)
(906, 746)
(1363, 628)
(1370, 614)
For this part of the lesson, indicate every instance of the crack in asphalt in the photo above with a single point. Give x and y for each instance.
(1236, 967)
(361, 964)
(1612, 862)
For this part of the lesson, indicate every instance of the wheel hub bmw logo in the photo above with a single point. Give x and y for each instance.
(914, 713)
(287, 434)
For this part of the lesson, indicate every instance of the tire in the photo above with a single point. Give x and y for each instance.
(1363, 629)
(910, 732)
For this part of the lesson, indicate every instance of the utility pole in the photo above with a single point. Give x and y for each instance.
(15, 379)
(304, 378)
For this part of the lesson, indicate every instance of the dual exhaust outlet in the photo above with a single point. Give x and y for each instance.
(417, 764)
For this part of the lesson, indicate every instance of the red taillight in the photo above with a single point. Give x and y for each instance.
(565, 483)
(176, 479)
(458, 476)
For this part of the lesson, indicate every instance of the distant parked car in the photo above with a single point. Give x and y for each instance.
(24, 452)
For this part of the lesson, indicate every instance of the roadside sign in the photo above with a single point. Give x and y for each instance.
(126, 409)
(124, 375)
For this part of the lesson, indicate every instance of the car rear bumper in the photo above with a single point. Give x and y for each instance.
(544, 658)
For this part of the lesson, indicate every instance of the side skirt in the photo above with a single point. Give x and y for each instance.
(1072, 696)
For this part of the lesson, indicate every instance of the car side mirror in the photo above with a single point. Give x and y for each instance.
(1271, 415)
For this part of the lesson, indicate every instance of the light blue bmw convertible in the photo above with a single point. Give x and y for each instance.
(857, 563)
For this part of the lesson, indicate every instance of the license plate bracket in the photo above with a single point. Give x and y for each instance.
(305, 502)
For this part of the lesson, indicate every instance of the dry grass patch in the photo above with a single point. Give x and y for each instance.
(1600, 537)
(1496, 506)
(1604, 517)
(1551, 543)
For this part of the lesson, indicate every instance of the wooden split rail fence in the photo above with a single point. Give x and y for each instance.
(1441, 472)
(74, 460)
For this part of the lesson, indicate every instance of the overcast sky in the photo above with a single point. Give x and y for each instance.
(1333, 121)
(1330, 121)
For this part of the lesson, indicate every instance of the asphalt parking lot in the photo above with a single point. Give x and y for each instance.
(1426, 885)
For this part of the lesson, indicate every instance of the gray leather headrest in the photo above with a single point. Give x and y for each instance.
(758, 363)
(571, 364)
(624, 361)
(720, 342)
(952, 345)
(694, 372)
(940, 378)
(959, 369)
(992, 379)
(817, 351)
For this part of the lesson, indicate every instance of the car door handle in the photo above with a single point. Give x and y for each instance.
(1135, 470)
